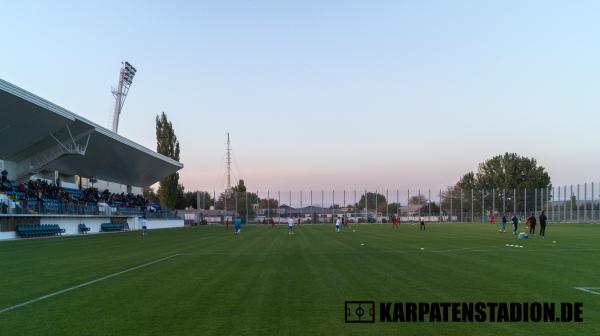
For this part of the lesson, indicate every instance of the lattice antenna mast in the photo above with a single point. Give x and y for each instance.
(228, 163)
(125, 79)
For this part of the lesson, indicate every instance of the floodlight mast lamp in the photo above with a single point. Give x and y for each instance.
(125, 79)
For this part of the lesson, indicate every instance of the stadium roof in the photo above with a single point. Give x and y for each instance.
(32, 127)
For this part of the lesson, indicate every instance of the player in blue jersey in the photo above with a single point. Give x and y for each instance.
(238, 225)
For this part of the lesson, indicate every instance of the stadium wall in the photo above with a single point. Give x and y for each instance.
(71, 224)
(136, 223)
(8, 235)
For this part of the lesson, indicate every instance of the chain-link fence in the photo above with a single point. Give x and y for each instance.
(573, 203)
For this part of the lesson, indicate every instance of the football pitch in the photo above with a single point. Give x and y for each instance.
(208, 281)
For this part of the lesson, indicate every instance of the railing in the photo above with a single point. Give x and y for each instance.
(58, 207)
(166, 214)
(46, 207)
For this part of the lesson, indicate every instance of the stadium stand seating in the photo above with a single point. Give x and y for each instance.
(40, 196)
(39, 230)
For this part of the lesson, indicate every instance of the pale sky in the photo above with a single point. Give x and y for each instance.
(327, 94)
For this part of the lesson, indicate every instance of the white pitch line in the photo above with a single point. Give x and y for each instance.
(587, 289)
(476, 248)
(62, 291)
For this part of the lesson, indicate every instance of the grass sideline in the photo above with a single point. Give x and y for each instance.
(266, 282)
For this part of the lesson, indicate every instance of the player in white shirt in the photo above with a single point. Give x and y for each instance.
(338, 222)
(290, 226)
(144, 226)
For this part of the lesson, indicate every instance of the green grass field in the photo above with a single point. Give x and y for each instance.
(266, 282)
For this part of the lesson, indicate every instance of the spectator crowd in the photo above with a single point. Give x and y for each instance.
(41, 190)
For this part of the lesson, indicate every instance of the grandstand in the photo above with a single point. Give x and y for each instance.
(48, 155)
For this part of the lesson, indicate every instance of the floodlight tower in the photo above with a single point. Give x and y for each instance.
(125, 79)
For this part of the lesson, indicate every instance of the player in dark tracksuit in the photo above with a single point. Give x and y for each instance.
(515, 221)
(543, 220)
(532, 222)
(503, 225)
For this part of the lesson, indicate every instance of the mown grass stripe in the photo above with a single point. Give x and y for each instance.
(62, 291)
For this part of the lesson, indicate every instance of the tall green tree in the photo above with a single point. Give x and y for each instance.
(394, 208)
(511, 171)
(150, 195)
(424, 205)
(512, 178)
(270, 203)
(245, 200)
(180, 201)
(206, 199)
(170, 192)
(189, 200)
(425, 208)
(270, 206)
(373, 200)
(239, 200)
(240, 187)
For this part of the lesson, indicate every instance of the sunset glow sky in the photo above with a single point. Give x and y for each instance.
(327, 94)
